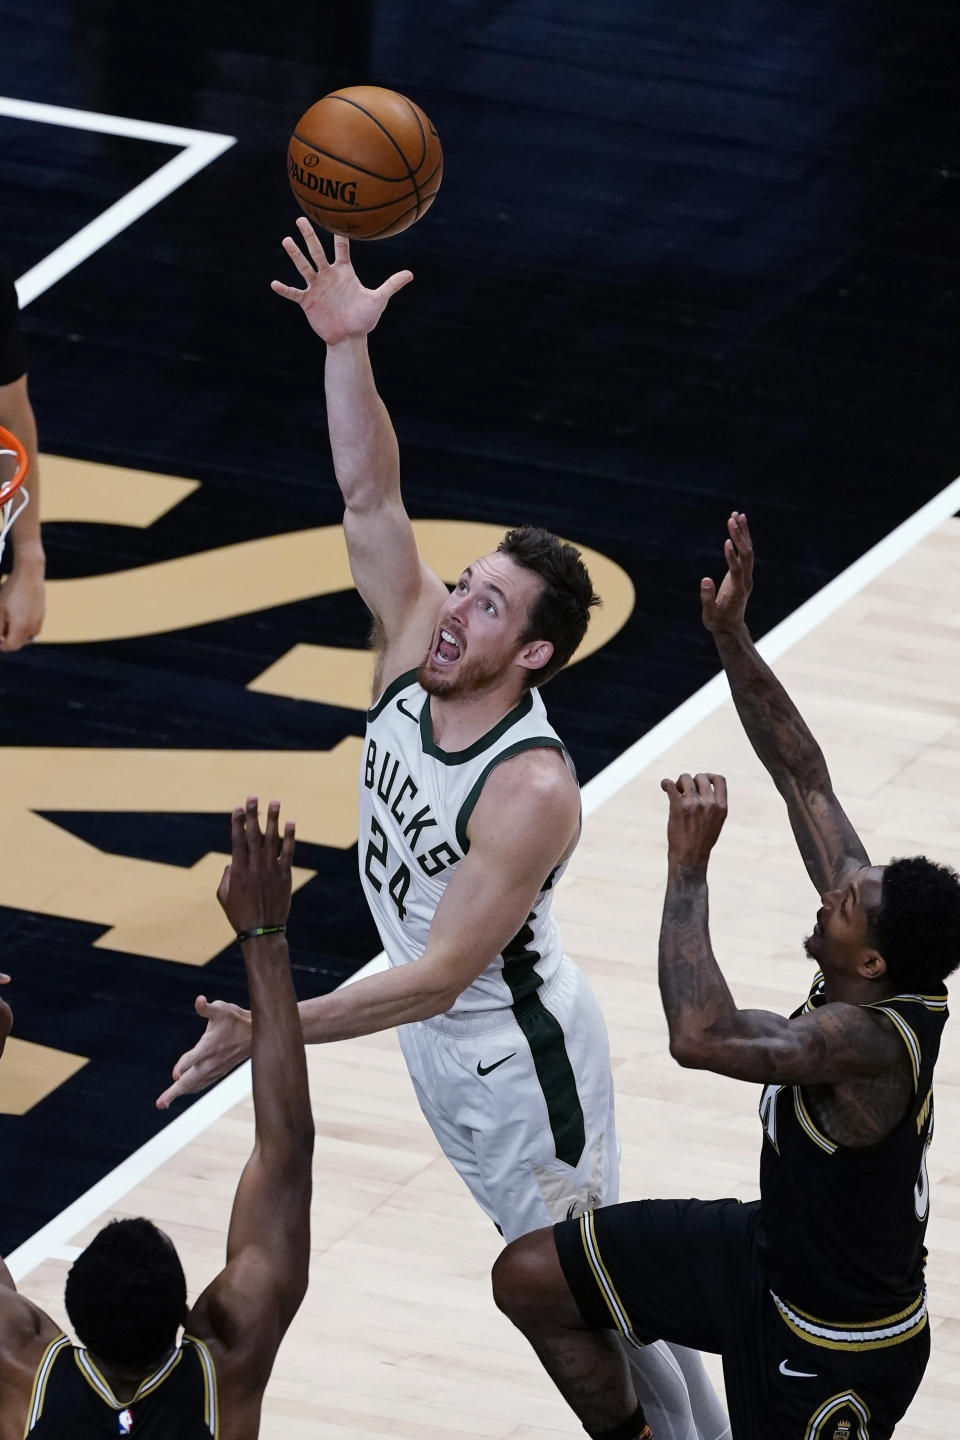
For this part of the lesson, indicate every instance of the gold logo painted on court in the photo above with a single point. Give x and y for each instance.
(163, 910)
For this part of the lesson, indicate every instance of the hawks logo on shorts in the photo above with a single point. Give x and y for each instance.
(842, 1417)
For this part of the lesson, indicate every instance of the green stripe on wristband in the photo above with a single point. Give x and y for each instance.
(261, 930)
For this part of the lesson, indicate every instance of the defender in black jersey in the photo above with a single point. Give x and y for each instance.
(126, 1293)
(814, 1295)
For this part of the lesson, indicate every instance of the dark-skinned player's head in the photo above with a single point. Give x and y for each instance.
(916, 926)
(126, 1295)
(897, 924)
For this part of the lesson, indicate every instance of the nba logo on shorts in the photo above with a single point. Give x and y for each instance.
(125, 1422)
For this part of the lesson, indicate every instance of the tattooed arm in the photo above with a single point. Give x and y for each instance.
(828, 843)
(833, 1044)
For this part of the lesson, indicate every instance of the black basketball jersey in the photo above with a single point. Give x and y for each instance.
(72, 1401)
(843, 1227)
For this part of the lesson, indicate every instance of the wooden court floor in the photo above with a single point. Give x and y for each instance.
(398, 1335)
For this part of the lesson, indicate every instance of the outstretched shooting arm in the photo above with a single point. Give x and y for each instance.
(402, 594)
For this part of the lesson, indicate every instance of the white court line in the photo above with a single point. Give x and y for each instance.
(55, 1235)
(199, 148)
(774, 644)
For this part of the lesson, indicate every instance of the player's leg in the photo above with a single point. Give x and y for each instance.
(673, 1269)
(547, 1146)
(709, 1411)
(587, 1364)
(671, 1381)
(424, 1053)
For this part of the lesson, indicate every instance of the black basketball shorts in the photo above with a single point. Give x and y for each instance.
(687, 1271)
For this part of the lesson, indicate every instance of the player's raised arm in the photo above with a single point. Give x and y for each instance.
(380, 540)
(840, 1042)
(246, 1310)
(828, 843)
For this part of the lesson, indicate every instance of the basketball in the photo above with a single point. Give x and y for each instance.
(364, 162)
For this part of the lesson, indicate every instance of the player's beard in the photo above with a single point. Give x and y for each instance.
(469, 678)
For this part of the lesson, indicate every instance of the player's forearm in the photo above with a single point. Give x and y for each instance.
(773, 724)
(365, 453)
(16, 415)
(696, 1000)
(397, 996)
(281, 1096)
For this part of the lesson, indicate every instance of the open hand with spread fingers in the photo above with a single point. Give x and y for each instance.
(698, 809)
(257, 884)
(336, 305)
(724, 610)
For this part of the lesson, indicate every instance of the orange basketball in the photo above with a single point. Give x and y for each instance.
(364, 162)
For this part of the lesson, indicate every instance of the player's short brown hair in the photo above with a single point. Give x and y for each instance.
(561, 612)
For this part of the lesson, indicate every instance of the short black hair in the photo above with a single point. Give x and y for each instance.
(916, 926)
(561, 612)
(126, 1294)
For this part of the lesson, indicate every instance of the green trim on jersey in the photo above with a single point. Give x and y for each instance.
(394, 688)
(533, 742)
(459, 757)
(544, 1035)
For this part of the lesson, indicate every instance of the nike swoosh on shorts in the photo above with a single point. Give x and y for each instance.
(797, 1374)
(485, 1069)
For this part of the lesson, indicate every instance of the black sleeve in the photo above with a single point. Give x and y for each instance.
(13, 361)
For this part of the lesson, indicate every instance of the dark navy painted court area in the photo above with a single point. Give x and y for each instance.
(684, 258)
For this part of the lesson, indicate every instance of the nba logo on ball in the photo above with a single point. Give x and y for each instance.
(125, 1422)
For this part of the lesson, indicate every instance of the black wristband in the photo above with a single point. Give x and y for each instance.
(261, 930)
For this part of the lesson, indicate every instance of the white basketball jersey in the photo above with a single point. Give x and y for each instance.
(415, 804)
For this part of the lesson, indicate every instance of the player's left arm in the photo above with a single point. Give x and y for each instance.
(523, 824)
(23, 595)
(832, 1044)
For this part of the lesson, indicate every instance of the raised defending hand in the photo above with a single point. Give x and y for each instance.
(336, 305)
(6, 1016)
(256, 886)
(725, 610)
(255, 891)
(698, 808)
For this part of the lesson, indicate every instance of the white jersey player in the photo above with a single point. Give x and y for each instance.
(469, 811)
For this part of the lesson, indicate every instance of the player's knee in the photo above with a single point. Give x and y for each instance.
(528, 1283)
